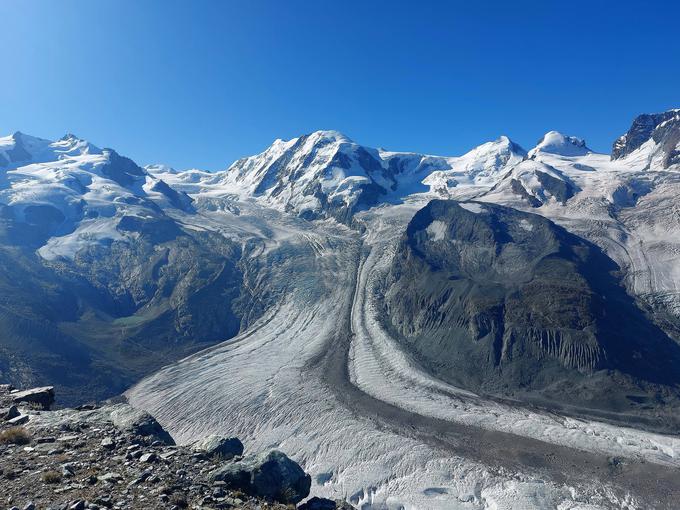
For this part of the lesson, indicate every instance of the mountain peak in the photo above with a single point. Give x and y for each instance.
(554, 142)
(329, 135)
(70, 145)
(505, 143)
(662, 128)
(20, 147)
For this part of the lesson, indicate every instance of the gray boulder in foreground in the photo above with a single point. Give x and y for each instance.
(215, 445)
(270, 475)
(43, 396)
(140, 423)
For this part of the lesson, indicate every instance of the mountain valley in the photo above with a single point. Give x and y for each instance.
(499, 329)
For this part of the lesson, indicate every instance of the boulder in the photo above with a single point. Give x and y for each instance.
(9, 413)
(270, 475)
(110, 477)
(325, 504)
(108, 443)
(220, 446)
(43, 396)
(140, 423)
(18, 420)
(149, 457)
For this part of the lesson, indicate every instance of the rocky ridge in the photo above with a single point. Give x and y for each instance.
(115, 456)
(491, 298)
(661, 128)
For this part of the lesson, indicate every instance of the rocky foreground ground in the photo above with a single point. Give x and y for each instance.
(115, 456)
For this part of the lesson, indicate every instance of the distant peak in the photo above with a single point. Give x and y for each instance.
(502, 144)
(557, 137)
(330, 135)
(70, 145)
(20, 135)
(159, 168)
(506, 141)
(554, 142)
(642, 129)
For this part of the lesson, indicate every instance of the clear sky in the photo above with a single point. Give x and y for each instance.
(201, 83)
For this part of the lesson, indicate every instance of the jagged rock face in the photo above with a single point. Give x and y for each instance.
(496, 300)
(317, 175)
(663, 128)
(667, 136)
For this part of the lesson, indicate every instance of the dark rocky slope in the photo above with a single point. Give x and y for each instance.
(115, 456)
(508, 303)
(95, 324)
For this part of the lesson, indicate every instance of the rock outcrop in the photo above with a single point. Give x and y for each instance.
(325, 504)
(115, 456)
(219, 446)
(660, 130)
(139, 423)
(640, 132)
(42, 397)
(502, 301)
(270, 475)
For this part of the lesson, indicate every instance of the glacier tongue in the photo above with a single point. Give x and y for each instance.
(318, 378)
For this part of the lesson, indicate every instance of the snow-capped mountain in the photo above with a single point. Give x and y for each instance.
(482, 166)
(326, 174)
(59, 195)
(653, 141)
(20, 148)
(554, 142)
(534, 183)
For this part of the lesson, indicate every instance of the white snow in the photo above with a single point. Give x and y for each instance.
(436, 230)
(474, 207)
(554, 142)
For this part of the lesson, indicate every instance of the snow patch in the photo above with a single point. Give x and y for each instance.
(437, 230)
(472, 207)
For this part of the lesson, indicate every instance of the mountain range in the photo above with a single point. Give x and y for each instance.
(543, 279)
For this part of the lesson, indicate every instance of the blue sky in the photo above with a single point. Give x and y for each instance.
(201, 83)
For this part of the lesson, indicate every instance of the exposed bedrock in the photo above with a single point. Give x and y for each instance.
(502, 301)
